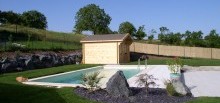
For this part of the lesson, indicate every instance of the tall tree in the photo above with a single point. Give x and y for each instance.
(140, 34)
(92, 18)
(163, 32)
(213, 39)
(127, 27)
(9, 17)
(151, 36)
(34, 19)
(194, 38)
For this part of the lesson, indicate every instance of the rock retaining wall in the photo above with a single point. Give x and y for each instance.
(38, 61)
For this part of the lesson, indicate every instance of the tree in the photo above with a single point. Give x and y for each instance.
(114, 32)
(163, 32)
(34, 19)
(140, 34)
(173, 38)
(9, 17)
(194, 38)
(151, 37)
(213, 39)
(92, 18)
(127, 27)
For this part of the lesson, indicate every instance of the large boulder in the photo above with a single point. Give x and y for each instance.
(21, 63)
(29, 64)
(9, 66)
(65, 60)
(5, 60)
(57, 61)
(34, 62)
(118, 85)
(47, 60)
(180, 87)
(71, 60)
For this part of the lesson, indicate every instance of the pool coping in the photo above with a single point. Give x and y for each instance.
(42, 77)
(59, 85)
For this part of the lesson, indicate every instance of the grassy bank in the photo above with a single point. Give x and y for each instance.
(37, 39)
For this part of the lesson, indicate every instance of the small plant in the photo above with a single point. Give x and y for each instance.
(170, 89)
(175, 65)
(91, 80)
(146, 80)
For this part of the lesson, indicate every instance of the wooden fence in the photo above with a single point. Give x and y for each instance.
(182, 51)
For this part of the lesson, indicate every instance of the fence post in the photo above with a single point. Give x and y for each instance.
(211, 53)
(158, 49)
(184, 51)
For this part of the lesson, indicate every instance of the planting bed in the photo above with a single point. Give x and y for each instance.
(155, 95)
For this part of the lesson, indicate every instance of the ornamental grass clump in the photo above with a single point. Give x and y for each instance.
(91, 80)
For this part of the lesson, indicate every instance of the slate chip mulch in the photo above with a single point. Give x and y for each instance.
(155, 95)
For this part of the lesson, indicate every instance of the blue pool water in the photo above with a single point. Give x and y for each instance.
(75, 77)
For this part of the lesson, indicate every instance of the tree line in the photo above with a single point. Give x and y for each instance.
(189, 38)
(32, 18)
(93, 18)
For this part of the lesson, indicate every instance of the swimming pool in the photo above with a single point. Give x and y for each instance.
(74, 77)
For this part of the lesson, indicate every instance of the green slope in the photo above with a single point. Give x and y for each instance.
(37, 38)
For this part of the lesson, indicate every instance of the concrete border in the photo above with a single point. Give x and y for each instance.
(107, 67)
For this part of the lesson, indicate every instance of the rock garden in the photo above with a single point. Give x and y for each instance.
(118, 91)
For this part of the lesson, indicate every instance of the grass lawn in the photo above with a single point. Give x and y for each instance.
(190, 62)
(14, 92)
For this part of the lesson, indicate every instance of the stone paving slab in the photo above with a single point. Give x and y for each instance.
(203, 83)
(160, 72)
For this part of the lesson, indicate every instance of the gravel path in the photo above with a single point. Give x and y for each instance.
(156, 95)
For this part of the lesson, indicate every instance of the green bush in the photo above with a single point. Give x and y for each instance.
(91, 80)
(171, 90)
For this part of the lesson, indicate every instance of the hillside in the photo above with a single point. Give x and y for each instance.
(37, 39)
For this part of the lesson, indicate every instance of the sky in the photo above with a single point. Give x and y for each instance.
(176, 15)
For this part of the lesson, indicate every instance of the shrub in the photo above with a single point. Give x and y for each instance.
(91, 80)
(146, 80)
(16, 47)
